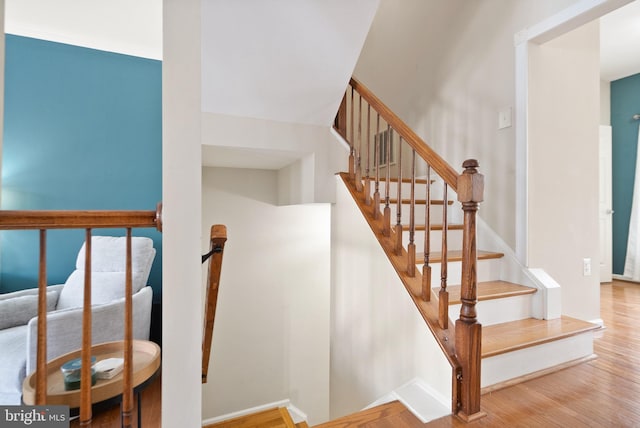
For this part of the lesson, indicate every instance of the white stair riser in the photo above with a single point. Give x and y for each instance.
(454, 240)
(487, 270)
(497, 311)
(522, 362)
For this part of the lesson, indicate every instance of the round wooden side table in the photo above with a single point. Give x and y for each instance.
(146, 364)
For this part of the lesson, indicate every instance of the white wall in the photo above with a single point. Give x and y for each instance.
(447, 69)
(605, 102)
(308, 154)
(271, 335)
(181, 195)
(2, 25)
(564, 115)
(379, 340)
(296, 182)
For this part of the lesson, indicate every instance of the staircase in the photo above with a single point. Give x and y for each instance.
(515, 345)
(497, 328)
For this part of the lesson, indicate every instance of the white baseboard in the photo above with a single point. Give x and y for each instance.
(296, 414)
(623, 278)
(422, 400)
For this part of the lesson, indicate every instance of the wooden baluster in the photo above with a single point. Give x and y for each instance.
(41, 356)
(127, 375)
(367, 182)
(352, 158)
(411, 248)
(398, 227)
(426, 268)
(340, 123)
(443, 295)
(85, 370)
(468, 330)
(376, 164)
(359, 148)
(386, 226)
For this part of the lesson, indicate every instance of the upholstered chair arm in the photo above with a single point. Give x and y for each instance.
(64, 327)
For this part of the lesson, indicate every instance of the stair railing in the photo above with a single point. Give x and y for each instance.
(88, 220)
(392, 141)
(216, 251)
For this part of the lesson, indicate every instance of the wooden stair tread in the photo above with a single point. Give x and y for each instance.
(277, 417)
(302, 424)
(455, 226)
(393, 414)
(491, 290)
(507, 337)
(456, 256)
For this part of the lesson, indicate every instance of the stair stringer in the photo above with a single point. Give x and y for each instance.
(547, 302)
(379, 340)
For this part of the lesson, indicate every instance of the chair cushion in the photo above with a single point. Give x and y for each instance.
(13, 363)
(108, 270)
(19, 310)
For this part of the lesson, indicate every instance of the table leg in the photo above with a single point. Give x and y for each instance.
(139, 397)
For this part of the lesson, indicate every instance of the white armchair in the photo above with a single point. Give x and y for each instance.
(18, 310)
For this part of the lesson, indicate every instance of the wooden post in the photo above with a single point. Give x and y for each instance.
(340, 124)
(443, 294)
(376, 148)
(85, 370)
(426, 268)
(41, 355)
(358, 166)
(351, 141)
(127, 387)
(367, 182)
(468, 330)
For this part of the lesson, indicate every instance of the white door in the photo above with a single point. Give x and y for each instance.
(605, 205)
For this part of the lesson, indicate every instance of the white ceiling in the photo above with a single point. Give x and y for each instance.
(620, 42)
(282, 60)
(132, 27)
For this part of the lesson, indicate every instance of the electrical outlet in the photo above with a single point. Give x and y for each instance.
(504, 118)
(586, 267)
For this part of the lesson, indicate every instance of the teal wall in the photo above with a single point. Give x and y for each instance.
(82, 130)
(625, 102)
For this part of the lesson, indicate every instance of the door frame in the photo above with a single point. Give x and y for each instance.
(563, 22)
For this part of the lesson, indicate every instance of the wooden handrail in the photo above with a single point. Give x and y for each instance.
(218, 239)
(88, 220)
(25, 220)
(439, 165)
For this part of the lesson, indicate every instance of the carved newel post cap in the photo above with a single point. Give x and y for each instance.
(470, 183)
(470, 163)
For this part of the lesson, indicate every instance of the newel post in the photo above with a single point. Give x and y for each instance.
(468, 338)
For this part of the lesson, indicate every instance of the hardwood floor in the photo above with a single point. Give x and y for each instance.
(601, 393)
(389, 415)
(272, 418)
(151, 411)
